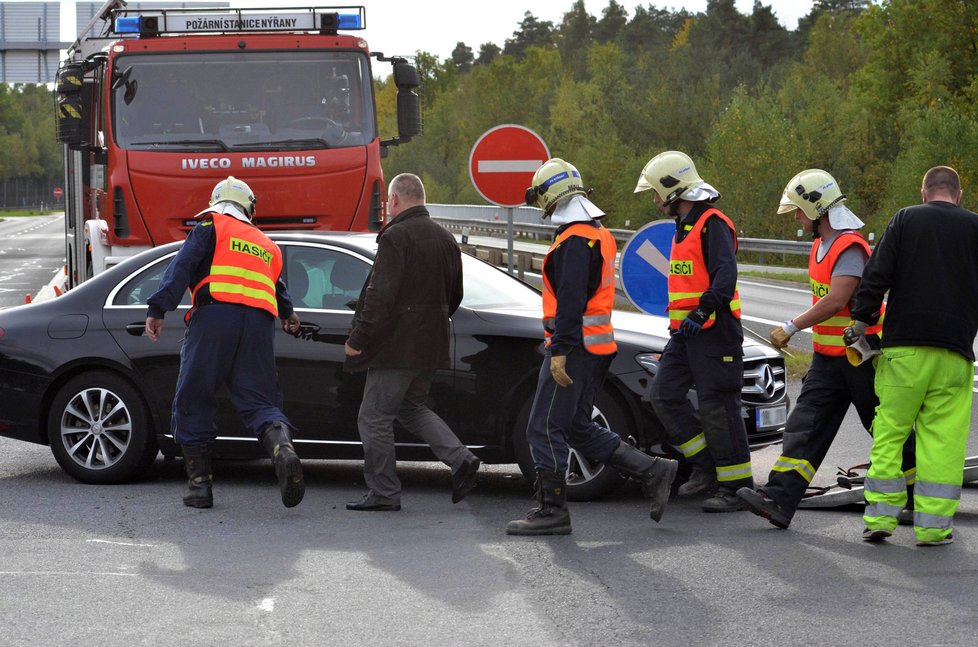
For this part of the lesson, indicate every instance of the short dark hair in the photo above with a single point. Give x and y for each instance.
(942, 178)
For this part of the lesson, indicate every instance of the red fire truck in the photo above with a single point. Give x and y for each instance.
(166, 102)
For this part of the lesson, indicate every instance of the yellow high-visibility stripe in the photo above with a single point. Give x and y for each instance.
(726, 473)
(235, 288)
(230, 270)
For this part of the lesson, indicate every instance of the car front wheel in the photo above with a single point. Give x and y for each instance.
(586, 480)
(99, 429)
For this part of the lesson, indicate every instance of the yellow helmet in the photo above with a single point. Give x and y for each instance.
(237, 191)
(672, 175)
(813, 191)
(554, 180)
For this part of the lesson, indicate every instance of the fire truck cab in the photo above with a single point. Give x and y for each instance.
(166, 102)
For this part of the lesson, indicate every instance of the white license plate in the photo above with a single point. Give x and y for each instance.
(771, 416)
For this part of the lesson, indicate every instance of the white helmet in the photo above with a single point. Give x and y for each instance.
(237, 191)
(673, 176)
(817, 194)
(554, 180)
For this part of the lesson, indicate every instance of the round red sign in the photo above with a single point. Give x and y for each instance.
(58, 192)
(503, 161)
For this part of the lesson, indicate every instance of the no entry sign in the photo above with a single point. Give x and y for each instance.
(503, 161)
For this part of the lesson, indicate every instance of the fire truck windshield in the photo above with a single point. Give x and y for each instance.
(242, 101)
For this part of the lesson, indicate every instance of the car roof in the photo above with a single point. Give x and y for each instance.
(365, 243)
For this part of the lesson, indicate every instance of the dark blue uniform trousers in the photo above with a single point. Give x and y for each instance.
(716, 437)
(561, 416)
(226, 344)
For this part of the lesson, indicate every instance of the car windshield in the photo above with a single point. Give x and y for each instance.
(488, 287)
(242, 101)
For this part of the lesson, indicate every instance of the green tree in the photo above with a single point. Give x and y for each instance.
(531, 33)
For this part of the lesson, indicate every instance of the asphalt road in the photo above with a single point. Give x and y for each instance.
(130, 565)
(31, 249)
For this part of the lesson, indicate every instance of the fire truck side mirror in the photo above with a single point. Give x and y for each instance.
(70, 105)
(408, 103)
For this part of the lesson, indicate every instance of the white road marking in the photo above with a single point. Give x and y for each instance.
(776, 287)
(64, 573)
(117, 543)
(268, 604)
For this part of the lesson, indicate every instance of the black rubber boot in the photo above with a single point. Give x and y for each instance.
(655, 473)
(702, 480)
(277, 441)
(551, 516)
(197, 461)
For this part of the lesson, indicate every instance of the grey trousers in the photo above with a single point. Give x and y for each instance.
(393, 393)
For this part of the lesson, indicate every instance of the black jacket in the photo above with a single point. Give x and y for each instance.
(928, 260)
(402, 316)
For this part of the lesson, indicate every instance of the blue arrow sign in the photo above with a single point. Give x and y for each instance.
(644, 267)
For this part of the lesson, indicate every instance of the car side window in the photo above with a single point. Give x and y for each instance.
(138, 289)
(324, 278)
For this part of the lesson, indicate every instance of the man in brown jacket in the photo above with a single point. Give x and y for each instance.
(401, 335)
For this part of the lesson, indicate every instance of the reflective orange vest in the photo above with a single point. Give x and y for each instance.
(599, 336)
(827, 336)
(688, 275)
(245, 267)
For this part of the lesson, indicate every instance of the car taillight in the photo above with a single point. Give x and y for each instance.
(1, 333)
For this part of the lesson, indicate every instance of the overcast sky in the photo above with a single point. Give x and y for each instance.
(435, 26)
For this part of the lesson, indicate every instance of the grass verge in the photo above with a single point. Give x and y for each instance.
(793, 277)
(15, 213)
(797, 363)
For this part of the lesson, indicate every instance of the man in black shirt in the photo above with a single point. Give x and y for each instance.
(928, 261)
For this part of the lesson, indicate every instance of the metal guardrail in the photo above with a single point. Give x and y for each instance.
(545, 232)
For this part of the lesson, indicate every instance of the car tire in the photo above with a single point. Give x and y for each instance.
(585, 481)
(99, 429)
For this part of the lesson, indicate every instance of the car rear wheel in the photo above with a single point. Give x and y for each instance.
(586, 481)
(99, 429)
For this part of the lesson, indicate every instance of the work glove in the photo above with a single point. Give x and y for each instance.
(853, 332)
(859, 348)
(780, 335)
(558, 369)
(693, 323)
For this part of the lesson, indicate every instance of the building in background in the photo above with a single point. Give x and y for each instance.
(30, 35)
(30, 41)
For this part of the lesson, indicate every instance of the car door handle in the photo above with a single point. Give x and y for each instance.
(136, 329)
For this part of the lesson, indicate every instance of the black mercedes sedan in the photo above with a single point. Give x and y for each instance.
(77, 374)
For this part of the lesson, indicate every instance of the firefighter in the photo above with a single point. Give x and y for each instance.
(234, 274)
(705, 347)
(578, 297)
(928, 261)
(835, 267)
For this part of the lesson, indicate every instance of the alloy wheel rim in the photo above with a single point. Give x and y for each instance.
(96, 428)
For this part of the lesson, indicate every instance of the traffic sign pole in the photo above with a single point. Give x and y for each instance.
(509, 234)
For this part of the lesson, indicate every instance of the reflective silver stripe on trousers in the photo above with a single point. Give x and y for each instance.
(882, 510)
(886, 486)
(937, 490)
(592, 340)
(549, 323)
(597, 320)
(924, 520)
